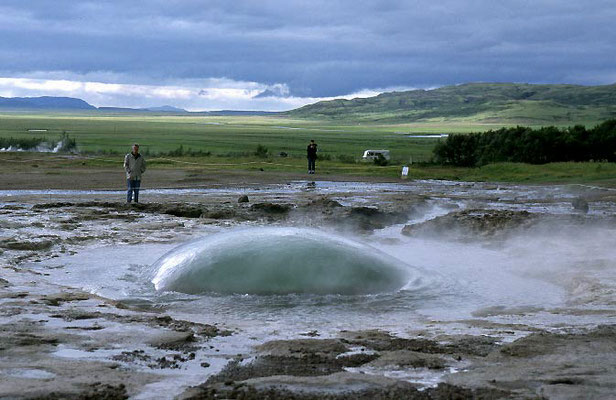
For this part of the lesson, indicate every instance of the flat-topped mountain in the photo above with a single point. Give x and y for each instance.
(45, 103)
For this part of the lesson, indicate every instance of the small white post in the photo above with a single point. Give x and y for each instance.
(405, 172)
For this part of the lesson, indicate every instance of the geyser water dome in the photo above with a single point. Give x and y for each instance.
(278, 261)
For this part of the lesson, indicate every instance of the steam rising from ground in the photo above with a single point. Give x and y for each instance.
(278, 261)
(64, 144)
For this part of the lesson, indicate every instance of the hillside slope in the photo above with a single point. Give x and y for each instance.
(480, 102)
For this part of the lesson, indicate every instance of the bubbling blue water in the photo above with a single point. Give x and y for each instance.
(277, 260)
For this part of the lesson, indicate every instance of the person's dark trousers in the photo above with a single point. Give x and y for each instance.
(133, 187)
(311, 165)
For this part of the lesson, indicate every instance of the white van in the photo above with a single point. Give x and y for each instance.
(372, 154)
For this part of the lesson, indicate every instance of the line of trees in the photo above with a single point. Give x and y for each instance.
(527, 145)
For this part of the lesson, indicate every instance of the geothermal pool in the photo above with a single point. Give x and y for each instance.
(287, 278)
(290, 280)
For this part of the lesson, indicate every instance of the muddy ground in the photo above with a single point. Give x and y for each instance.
(48, 332)
(23, 171)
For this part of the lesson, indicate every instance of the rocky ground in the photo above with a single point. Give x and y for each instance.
(57, 342)
(541, 365)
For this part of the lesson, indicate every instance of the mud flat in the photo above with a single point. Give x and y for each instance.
(513, 295)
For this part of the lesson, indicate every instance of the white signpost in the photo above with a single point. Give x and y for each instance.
(405, 172)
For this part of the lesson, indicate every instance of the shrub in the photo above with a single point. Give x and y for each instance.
(346, 158)
(261, 151)
(380, 160)
(67, 144)
(179, 152)
(21, 143)
(527, 145)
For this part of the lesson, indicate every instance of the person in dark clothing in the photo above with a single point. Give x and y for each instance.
(311, 152)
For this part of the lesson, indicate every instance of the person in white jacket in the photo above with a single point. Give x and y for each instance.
(134, 164)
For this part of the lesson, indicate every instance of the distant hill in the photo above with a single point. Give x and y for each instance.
(70, 103)
(239, 113)
(45, 103)
(475, 102)
(120, 109)
(165, 109)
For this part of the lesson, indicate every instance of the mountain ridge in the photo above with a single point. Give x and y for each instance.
(45, 103)
(53, 103)
(509, 103)
(476, 101)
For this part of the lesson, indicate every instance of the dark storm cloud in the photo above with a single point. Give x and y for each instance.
(317, 48)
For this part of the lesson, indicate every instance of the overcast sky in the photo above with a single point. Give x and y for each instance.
(280, 54)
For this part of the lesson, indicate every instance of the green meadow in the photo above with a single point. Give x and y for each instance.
(230, 142)
(229, 136)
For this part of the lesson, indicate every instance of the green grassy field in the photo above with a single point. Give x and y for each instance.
(229, 136)
(602, 173)
(232, 136)
(232, 142)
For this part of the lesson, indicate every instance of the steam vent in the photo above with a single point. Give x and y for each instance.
(266, 261)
